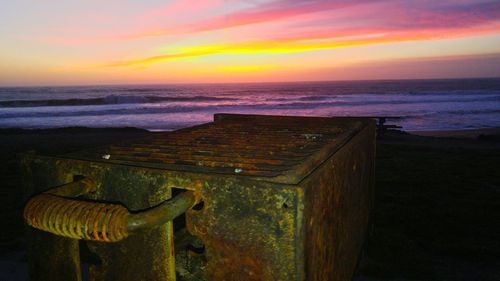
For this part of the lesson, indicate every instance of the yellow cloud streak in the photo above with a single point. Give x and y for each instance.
(290, 46)
(246, 68)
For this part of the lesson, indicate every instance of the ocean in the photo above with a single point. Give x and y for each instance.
(420, 104)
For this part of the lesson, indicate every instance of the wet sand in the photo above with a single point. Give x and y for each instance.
(437, 208)
(470, 133)
(437, 204)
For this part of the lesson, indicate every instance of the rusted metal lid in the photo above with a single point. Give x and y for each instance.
(281, 149)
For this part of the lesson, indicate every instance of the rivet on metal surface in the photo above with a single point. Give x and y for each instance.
(312, 136)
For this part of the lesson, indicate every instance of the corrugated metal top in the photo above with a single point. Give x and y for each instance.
(271, 148)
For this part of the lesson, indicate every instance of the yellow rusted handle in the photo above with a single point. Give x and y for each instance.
(97, 221)
(77, 219)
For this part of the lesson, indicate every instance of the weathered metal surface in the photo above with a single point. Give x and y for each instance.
(251, 231)
(337, 204)
(74, 189)
(52, 257)
(262, 180)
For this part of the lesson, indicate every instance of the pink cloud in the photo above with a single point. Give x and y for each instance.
(440, 15)
(315, 18)
(179, 8)
(357, 16)
(268, 12)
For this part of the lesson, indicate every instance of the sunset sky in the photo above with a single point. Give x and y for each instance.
(66, 42)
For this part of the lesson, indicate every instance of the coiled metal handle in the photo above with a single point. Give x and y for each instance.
(77, 219)
(104, 222)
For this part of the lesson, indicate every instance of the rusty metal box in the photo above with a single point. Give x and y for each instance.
(278, 198)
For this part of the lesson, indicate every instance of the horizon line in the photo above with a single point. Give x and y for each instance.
(255, 82)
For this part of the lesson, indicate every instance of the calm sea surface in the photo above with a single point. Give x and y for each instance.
(422, 104)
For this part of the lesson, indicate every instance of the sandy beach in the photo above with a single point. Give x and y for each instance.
(436, 211)
(470, 134)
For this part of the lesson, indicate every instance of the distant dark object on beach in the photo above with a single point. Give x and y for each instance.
(494, 138)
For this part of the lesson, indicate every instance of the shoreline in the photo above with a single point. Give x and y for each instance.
(248, 82)
(71, 129)
(457, 133)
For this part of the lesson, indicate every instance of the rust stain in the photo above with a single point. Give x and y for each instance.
(234, 263)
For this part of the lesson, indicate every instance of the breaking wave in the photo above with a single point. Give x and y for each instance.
(421, 105)
(111, 99)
